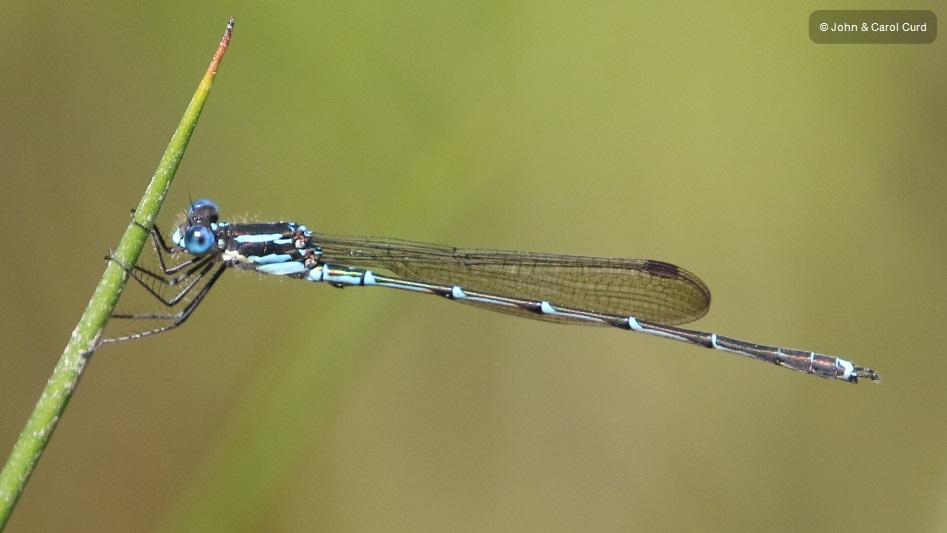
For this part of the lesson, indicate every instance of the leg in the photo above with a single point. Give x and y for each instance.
(162, 248)
(199, 268)
(179, 318)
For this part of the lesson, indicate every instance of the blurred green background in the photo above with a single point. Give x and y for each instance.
(804, 183)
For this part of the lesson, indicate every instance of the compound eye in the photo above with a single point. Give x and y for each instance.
(198, 240)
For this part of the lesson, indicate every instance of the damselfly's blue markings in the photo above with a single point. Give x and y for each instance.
(640, 295)
(282, 269)
(274, 237)
(269, 259)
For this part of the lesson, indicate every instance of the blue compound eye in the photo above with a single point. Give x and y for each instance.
(198, 240)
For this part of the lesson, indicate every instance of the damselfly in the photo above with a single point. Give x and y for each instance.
(640, 295)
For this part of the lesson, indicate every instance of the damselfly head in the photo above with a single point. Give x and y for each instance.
(203, 213)
(195, 234)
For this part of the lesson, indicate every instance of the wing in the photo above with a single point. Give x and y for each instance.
(643, 288)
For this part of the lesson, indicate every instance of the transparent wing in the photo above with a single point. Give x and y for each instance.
(643, 288)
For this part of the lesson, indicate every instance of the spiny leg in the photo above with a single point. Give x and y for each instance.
(178, 318)
(163, 249)
(198, 270)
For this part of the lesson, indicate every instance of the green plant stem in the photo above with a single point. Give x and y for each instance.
(65, 377)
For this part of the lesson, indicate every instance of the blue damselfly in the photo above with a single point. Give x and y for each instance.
(640, 295)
